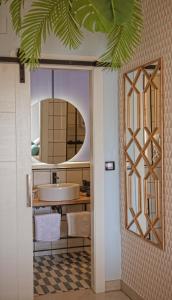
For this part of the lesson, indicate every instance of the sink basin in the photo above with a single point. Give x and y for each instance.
(59, 192)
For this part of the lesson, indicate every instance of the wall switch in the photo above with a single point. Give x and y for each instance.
(109, 165)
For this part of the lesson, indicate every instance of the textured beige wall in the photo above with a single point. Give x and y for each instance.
(145, 268)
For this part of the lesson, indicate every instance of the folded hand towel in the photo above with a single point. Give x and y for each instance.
(79, 224)
(47, 227)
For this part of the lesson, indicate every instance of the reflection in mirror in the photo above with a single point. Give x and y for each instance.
(143, 152)
(57, 131)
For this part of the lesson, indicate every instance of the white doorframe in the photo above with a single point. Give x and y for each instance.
(97, 172)
(97, 181)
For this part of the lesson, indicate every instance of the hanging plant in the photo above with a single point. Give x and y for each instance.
(119, 20)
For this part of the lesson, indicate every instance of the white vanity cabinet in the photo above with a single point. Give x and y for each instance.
(15, 163)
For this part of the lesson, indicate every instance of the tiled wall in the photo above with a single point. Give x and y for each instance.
(146, 269)
(53, 122)
(76, 175)
(44, 176)
(75, 131)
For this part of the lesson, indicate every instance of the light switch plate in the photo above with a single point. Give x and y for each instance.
(109, 165)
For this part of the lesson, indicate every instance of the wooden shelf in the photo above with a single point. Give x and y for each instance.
(81, 200)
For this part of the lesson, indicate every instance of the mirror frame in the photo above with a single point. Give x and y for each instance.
(126, 197)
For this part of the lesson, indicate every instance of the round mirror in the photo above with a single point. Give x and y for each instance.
(57, 131)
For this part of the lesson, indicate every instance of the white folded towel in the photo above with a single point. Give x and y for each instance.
(47, 227)
(79, 224)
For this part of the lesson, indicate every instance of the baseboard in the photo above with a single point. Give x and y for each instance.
(130, 292)
(113, 285)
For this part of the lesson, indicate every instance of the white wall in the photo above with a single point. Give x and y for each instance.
(112, 205)
(93, 46)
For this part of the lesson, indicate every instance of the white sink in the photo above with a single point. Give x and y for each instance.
(59, 192)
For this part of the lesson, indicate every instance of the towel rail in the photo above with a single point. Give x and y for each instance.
(60, 210)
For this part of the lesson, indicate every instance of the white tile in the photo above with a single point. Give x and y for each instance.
(41, 177)
(74, 176)
(7, 134)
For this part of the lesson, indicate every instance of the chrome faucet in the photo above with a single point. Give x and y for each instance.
(56, 179)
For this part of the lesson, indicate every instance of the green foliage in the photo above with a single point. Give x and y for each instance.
(35, 26)
(124, 36)
(15, 10)
(122, 10)
(94, 15)
(65, 25)
(119, 20)
(45, 17)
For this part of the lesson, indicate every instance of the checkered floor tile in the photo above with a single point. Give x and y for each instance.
(62, 272)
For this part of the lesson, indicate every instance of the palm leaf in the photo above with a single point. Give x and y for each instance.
(15, 10)
(122, 10)
(65, 25)
(45, 17)
(36, 24)
(123, 39)
(94, 15)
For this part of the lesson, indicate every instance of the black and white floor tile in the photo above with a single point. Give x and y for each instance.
(62, 272)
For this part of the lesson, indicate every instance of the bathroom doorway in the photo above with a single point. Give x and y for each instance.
(60, 146)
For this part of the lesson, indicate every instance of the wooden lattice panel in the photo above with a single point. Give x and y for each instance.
(143, 152)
